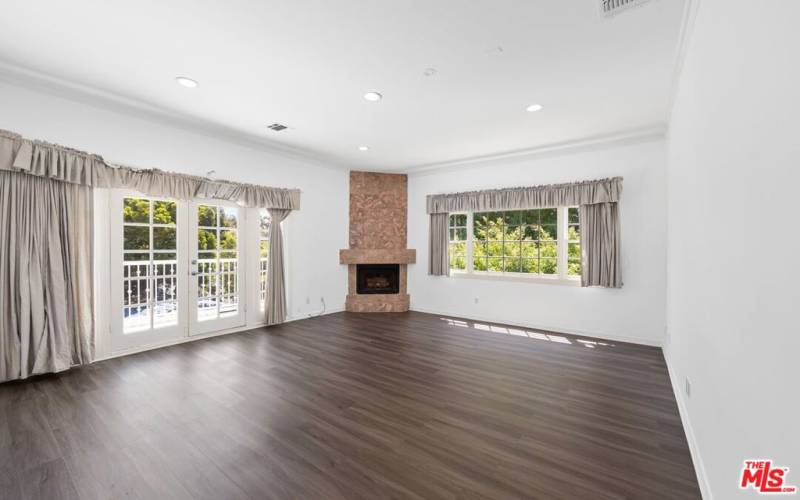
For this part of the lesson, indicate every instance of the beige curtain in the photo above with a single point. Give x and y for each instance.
(438, 245)
(46, 284)
(275, 305)
(44, 159)
(600, 245)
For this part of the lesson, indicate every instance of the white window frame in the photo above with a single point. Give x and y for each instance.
(560, 278)
(468, 249)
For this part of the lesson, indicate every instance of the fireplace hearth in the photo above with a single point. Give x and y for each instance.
(377, 278)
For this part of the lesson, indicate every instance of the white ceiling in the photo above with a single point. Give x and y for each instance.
(307, 63)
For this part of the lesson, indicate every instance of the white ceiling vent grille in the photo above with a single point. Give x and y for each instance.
(613, 7)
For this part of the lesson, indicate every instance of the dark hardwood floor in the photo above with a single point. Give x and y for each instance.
(354, 406)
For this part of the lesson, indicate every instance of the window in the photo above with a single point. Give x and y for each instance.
(541, 242)
(150, 277)
(263, 240)
(458, 241)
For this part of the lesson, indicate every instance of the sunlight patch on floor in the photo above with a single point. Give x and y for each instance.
(519, 332)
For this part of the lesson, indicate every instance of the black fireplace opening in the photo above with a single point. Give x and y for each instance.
(377, 278)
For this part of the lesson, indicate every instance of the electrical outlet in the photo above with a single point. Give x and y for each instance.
(476, 300)
(308, 300)
(688, 388)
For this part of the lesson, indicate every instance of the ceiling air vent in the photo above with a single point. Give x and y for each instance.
(277, 127)
(612, 7)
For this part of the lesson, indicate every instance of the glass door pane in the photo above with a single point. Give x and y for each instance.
(146, 275)
(217, 280)
(149, 260)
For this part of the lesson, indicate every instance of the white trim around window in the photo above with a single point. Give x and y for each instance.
(466, 269)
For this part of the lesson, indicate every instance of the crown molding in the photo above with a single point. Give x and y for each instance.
(31, 79)
(592, 143)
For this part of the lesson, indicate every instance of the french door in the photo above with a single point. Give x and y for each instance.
(217, 262)
(176, 269)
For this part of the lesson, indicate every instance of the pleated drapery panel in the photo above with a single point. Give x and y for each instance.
(44, 159)
(600, 245)
(46, 288)
(275, 305)
(438, 245)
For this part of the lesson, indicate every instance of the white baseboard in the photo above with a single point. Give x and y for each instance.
(535, 326)
(697, 460)
(229, 331)
(298, 317)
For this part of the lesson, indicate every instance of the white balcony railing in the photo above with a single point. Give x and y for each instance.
(150, 292)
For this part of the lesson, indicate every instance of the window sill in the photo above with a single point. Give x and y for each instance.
(516, 277)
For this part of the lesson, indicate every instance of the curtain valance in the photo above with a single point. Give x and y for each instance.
(77, 167)
(552, 195)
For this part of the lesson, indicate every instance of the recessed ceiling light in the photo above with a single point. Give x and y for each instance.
(186, 82)
(363, 148)
(534, 107)
(373, 96)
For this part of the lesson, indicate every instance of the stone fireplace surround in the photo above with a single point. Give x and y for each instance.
(378, 225)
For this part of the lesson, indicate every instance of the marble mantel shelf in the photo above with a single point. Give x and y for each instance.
(377, 256)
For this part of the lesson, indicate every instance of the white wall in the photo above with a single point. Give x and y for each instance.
(635, 312)
(314, 234)
(734, 172)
